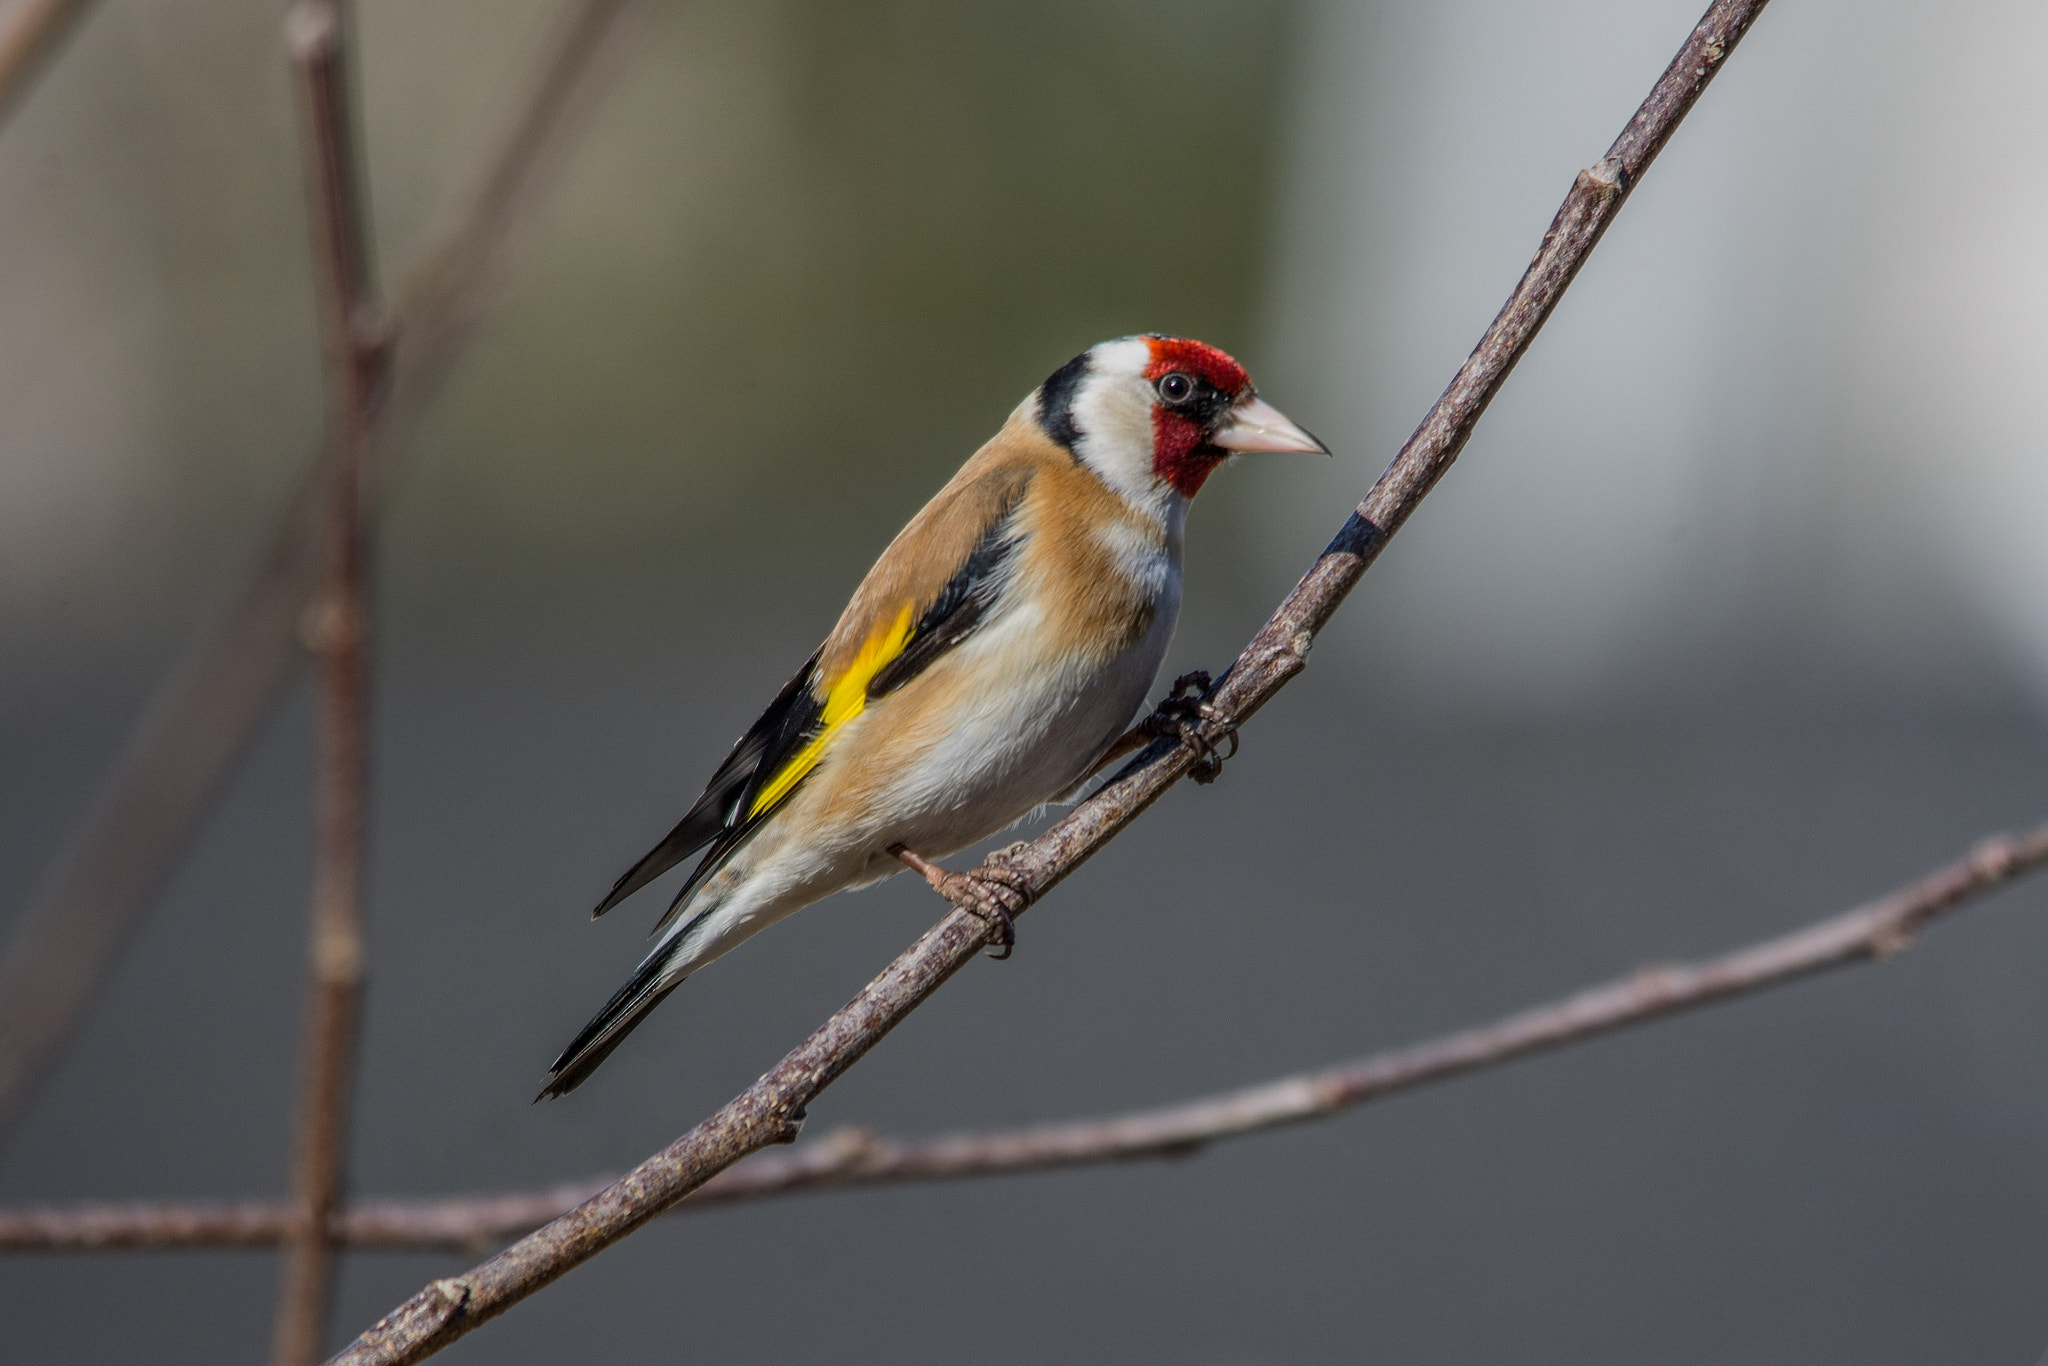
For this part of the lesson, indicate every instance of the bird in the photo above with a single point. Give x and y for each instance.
(990, 663)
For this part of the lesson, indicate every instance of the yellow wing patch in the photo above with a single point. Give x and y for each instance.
(845, 699)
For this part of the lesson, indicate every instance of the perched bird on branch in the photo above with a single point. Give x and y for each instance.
(990, 663)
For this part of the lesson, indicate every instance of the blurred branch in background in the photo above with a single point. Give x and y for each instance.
(231, 678)
(29, 30)
(772, 1109)
(854, 1157)
(339, 628)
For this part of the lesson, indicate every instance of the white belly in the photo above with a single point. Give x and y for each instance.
(1022, 741)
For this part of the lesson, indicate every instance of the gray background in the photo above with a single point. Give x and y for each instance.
(809, 256)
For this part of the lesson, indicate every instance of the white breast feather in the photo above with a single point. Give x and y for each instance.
(1011, 748)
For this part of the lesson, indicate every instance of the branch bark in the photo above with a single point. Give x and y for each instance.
(772, 1109)
(852, 1157)
(339, 633)
(184, 749)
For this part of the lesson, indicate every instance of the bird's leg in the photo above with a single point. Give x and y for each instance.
(996, 891)
(1179, 715)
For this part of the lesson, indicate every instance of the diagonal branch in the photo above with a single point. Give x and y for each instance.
(772, 1109)
(228, 682)
(851, 1157)
(455, 286)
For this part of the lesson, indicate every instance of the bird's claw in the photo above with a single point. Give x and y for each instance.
(1180, 714)
(997, 892)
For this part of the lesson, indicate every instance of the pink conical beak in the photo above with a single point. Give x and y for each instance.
(1256, 425)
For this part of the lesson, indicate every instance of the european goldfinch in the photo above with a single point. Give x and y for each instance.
(990, 662)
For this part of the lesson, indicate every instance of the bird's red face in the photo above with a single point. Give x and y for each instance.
(1153, 415)
(1195, 386)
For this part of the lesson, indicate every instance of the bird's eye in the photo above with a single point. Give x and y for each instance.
(1176, 387)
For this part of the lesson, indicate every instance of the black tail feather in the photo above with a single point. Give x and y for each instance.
(726, 806)
(695, 831)
(609, 1027)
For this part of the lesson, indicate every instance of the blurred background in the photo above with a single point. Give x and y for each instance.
(1730, 616)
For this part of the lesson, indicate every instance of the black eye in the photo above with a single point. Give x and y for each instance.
(1176, 388)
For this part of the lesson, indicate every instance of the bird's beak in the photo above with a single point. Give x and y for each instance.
(1256, 425)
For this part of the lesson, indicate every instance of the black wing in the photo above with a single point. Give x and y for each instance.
(724, 816)
(956, 611)
(767, 744)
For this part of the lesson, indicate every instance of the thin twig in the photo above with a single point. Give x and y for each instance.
(853, 1157)
(338, 632)
(458, 281)
(29, 31)
(229, 681)
(771, 1110)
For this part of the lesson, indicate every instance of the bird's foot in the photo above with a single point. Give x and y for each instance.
(1180, 715)
(997, 891)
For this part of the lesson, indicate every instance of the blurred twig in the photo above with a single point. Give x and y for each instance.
(233, 675)
(855, 1158)
(771, 1110)
(29, 30)
(338, 631)
(459, 280)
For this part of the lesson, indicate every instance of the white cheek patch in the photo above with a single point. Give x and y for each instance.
(1113, 413)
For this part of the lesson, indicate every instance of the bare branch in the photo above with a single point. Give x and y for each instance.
(771, 1110)
(228, 682)
(852, 1157)
(339, 631)
(29, 31)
